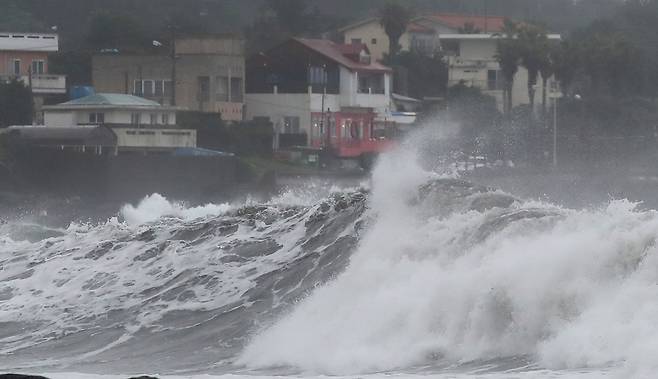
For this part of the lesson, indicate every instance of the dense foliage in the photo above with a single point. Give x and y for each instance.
(15, 104)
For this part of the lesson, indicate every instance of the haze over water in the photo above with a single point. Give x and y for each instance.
(417, 275)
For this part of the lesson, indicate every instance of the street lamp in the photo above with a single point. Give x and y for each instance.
(555, 94)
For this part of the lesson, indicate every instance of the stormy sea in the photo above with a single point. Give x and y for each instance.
(410, 274)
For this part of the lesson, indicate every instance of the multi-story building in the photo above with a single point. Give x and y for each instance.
(138, 123)
(335, 94)
(468, 42)
(24, 57)
(208, 72)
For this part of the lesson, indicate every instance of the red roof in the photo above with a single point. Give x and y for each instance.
(415, 27)
(339, 54)
(489, 24)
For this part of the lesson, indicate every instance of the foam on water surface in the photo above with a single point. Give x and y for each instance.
(422, 275)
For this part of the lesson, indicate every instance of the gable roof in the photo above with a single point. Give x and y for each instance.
(456, 21)
(452, 20)
(336, 52)
(114, 99)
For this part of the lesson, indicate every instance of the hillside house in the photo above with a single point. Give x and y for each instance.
(335, 95)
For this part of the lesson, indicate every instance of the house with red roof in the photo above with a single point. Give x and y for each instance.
(467, 41)
(321, 94)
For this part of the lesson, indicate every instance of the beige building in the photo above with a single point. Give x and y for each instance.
(208, 71)
(471, 57)
(138, 123)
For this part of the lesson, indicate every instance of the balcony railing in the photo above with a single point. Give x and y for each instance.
(41, 83)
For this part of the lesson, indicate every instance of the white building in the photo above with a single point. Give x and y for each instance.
(137, 122)
(471, 56)
(303, 85)
(24, 57)
(472, 61)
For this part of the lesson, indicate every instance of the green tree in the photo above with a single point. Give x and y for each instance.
(15, 104)
(508, 55)
(425, 75)
(394, 18)
(112, 30)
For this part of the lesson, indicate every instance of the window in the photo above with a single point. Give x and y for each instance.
(356, 41)
(166, 88)
(317, 75)
(37, 67)
(221, 88)
(236, 90)
(137, 88)
(135, 119)
(165, 119)
(373, 41)
(203, 93)
(147, 86)
(451, 48)
(291, 125)
(154, 118)
(492, 80)
(17, 66)
(158, 91)
(96, 118)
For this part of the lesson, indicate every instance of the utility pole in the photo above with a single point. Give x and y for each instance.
(173, 64)
(29, 80)
(555, 100)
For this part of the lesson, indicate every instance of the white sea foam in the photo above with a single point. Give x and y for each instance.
(155, 206)
(571, 290)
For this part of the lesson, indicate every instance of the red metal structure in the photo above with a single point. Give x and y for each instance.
(352, 133)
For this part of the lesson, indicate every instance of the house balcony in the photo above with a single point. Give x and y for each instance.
(42, 84)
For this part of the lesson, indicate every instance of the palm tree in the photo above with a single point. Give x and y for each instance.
(508, 55)
(534, 49)
(394, 18)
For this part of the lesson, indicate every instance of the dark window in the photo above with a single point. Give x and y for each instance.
(37, 67)
(373, 41)
(154, 118)
(96, 118)
(166, 89)
(165, 119)
(137, 88)
(451, 47)
(221, 88)
(17, 66)
(356, 41)
(317, 75)
(236, 90)
(159, 88)
(148, 87)
(203, 93)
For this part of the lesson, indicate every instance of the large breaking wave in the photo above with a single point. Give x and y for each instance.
(420, 273)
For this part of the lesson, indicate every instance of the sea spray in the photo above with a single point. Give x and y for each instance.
(565, 289)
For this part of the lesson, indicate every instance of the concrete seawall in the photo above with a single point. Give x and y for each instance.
(125, 177)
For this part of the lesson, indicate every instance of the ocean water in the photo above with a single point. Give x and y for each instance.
(412, 274)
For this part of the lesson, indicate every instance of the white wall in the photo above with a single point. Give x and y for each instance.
(58, 119)
(112, 116)
(278, 106)
(155, 138)
(485, 50)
